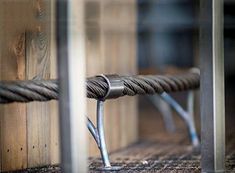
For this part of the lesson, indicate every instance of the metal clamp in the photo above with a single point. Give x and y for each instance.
(115, 86)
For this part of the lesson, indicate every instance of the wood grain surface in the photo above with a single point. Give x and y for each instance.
(29, 133)
(12, 67)
(111, 48)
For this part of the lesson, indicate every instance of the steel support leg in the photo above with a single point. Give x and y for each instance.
(93, 132)
(190, 104)
(99, 136)
(100, 128)
(212, 87)
(185, 116)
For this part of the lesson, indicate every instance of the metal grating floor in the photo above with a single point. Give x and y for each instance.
(149, 156)
(155, 157)
(145, 157)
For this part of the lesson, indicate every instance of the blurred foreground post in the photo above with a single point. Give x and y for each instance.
(71, 71)
(212, 86)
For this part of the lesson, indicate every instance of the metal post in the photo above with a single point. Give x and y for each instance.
(102, 143)
(191, 114)
(212, 87)
(71, 59)
(100, 128)
(190, 105)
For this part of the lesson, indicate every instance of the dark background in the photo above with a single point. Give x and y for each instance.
(168, 36)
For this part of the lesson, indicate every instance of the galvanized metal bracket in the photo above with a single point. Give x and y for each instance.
(186, 115)
(99, 136)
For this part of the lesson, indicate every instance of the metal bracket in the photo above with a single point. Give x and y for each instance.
(187, 116)
(99, 136)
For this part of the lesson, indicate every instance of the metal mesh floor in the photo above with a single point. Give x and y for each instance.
(154, 157)
(161, 157)
(145, 157)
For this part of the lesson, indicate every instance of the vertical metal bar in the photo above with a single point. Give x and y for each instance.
(191, 114)
(71, 71)
(102, 147)
(100, 128)
(212, 86)
(190, 104)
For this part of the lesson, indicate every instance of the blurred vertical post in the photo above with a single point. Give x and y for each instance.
(212, 86)
(71, 71)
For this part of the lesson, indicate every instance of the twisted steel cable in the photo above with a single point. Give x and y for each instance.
(97, 87)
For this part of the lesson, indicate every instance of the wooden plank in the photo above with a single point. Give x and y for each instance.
(13, 116)
(54, 132)
(38, 119)
(54, 115)
(37, 67)
(119, 45)
(109, 51)
(132, 12)
(108, 105)
(94, 59)
(111, 67)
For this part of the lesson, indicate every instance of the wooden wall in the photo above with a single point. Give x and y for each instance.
(111, 48)
(29, 134)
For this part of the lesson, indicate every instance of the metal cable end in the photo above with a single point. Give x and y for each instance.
(115, 86)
